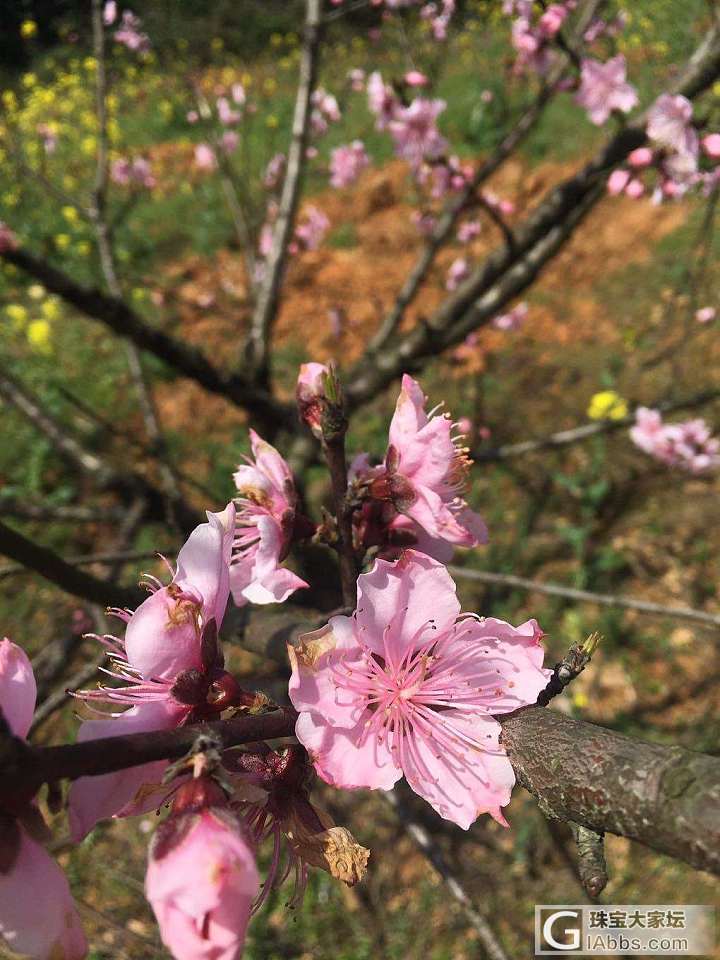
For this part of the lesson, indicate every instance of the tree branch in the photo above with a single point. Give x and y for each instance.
(256, 348)
(58, 571)
(122, 320)
(586, 596)
(667, 798)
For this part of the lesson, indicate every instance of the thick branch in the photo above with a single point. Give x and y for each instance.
(122, 320)
(667, 798)
(70, 579)
(267, 301)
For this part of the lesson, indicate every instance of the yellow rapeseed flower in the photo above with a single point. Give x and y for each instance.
(38, 334)
(28, 29)
(580, 700)
(50, 308)
(216, 44)
(270, 85)
(17, 313)
(88, 146)
(276, 40)
(36, 291)
(62, 241)
(29, 80)
(607, 405)
(83, 248)
(271, 121)
(70, 214)
(246, 79)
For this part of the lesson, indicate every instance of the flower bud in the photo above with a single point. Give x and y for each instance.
(201, 878)
(310, 395)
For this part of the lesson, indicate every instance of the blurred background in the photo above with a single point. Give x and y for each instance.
(610, 324)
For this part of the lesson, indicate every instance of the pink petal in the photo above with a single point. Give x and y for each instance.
(340, 761)
(313, 686)
(159, 642)
(38, 918)
(18, 691)
(269, 461)
(97, 798)
(464, 783)
(406, 596)
(433, 515)
(202, 564)
(409, 416)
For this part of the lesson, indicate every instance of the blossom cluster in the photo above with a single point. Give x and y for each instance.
(688, 445)
(408, 685)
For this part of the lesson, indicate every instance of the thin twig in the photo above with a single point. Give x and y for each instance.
(490, 943)
(84, 560)
(586, 596)
(587, 430)
(257, 346)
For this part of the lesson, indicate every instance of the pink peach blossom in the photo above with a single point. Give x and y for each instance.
(640, 158)
(458, 272)
(414, 78)
(163, 645)
(408, 686)
(130, 35)
(711, 145)
(513, 319)
(670, 124)
(347, 163)
(603, 88)
(617, 181)
(205, 158)
(425, 473)
(266, 516)
(201, 882)
(705, 314)
(415, 132)
(382, 100)
(310, 232)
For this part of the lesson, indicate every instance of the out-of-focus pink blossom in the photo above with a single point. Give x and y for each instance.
(347, 163)
(414, 78)
(425, 222)
(458, 271)
(237, 92)
(226, 114)
(310, 233)
(48, 136)
(205, 158)
(135, 172)
(512, 320)
(505, 207)
(130, 35)
(357, 79)
(469, 230)
(688, 445)
(617, 181)
(201, 882)
(266, 517)
(162, 651)
(603, 88)
(711, 146)
(414, 130)
(705, 314)
(670, 124)
(229, 141)
(640, 158)
(382, 101)
(274, 171)
(552, 20)
(110, 13)
(635, 189)
(192, 116)
(38, 918)
(407, 687)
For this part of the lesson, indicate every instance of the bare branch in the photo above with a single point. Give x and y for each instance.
(125, 322)
(587, 430)
(268, 294)
(586, 596)
(69, 578)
